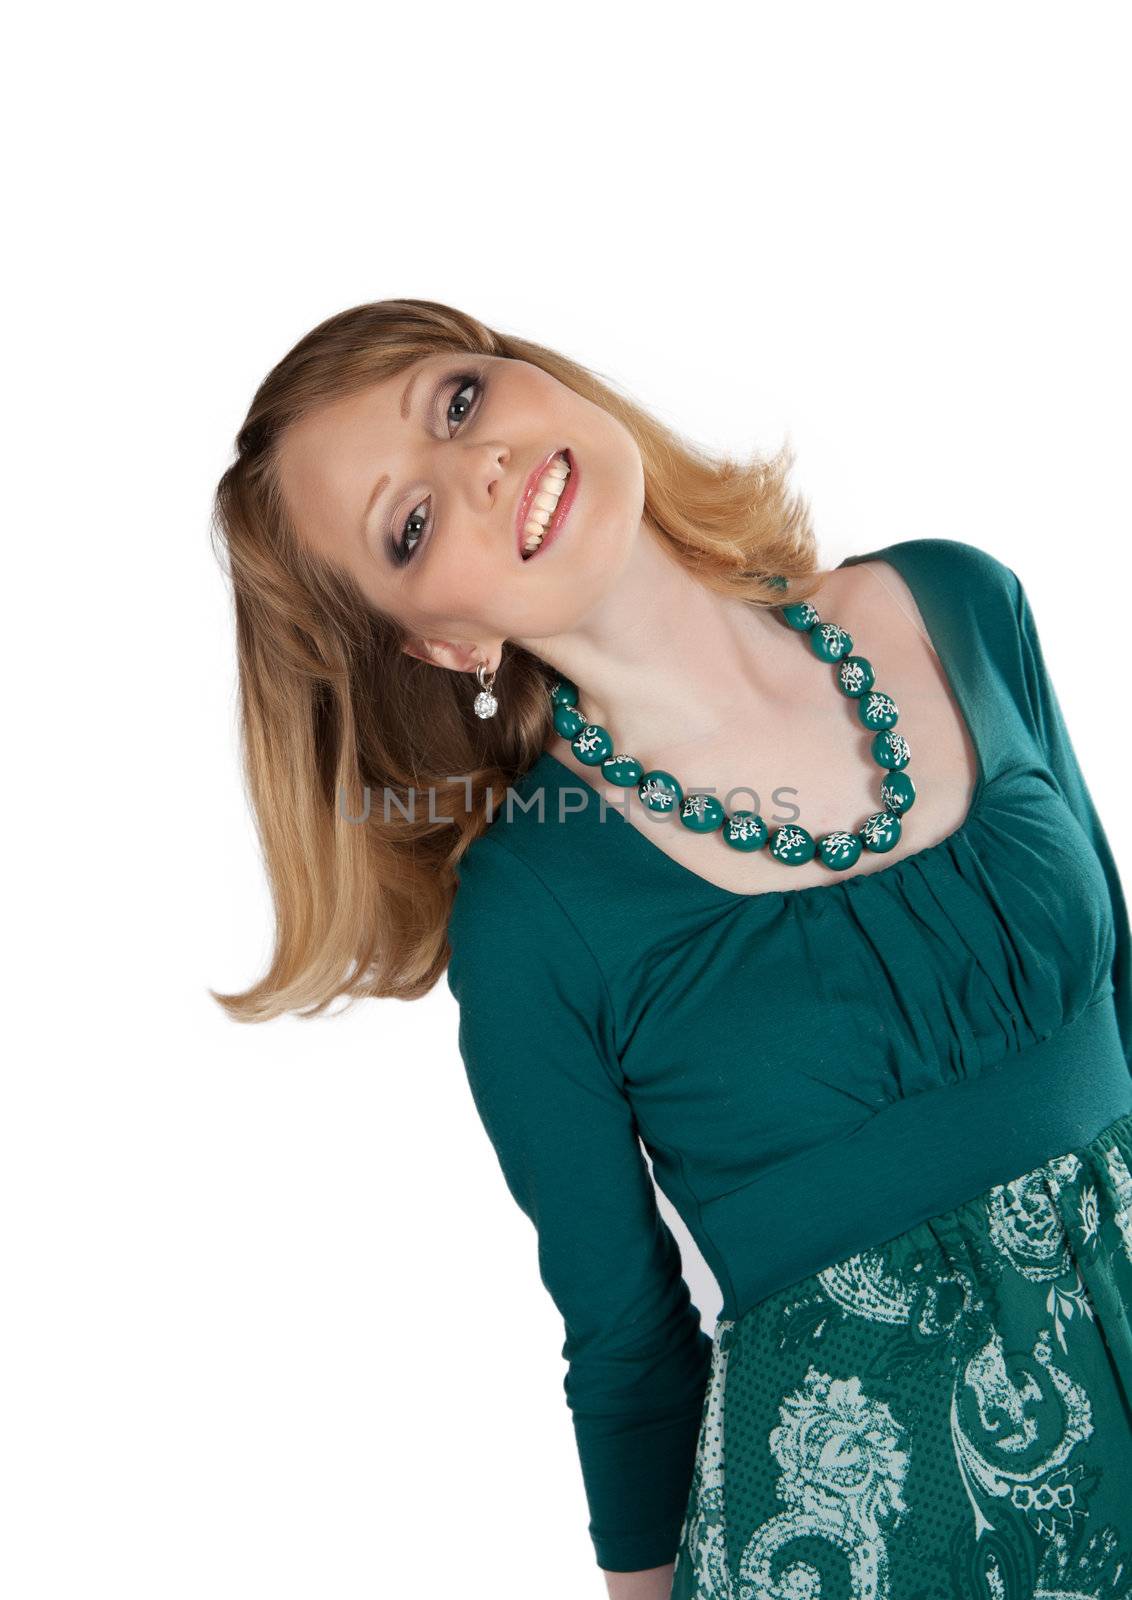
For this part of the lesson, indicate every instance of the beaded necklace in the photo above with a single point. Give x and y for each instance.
(745, 830)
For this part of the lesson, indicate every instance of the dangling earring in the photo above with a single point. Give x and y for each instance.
(485, 704)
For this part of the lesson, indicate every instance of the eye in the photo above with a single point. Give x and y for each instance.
(464, 383)
(405, 548)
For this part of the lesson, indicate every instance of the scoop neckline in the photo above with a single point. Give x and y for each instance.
(733, 897)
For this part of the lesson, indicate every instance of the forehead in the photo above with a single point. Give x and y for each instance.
(329, 458)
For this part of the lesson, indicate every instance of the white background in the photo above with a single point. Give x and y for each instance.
(272, 1323)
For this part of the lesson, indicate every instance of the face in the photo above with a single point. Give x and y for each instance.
(415, 486)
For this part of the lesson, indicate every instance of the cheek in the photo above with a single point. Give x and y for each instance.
(462, 590)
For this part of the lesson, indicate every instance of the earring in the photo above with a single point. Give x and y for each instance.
(485, 704)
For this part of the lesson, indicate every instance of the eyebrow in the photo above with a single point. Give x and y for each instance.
(383, 482)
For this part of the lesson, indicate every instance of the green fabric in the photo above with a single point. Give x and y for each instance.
(944, 1416)
(812, 1071)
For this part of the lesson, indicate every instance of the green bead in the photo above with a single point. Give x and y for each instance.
(568, 719)
(801, 615)
(854, 676)
(745, 830)
(877, 710)
(624, 771)
(897, 793)
(839, 850)
(564, 693)
(592, 745)
(793, 845)
(891, 750)
(829, 642)
(702, 813)
(880, 831)
(659, 790)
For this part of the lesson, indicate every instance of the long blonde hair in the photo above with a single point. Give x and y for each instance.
(331, 706)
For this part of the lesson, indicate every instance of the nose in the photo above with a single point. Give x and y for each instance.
(483, 475)
(479, 497)
(494, 462)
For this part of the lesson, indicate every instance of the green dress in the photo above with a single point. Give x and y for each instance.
(894, 1111)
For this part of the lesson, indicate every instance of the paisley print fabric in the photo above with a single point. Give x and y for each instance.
(946, 1415)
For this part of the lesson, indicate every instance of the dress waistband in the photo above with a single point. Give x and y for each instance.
(917, 1158)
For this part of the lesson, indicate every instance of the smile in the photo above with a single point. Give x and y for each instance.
(545, 503)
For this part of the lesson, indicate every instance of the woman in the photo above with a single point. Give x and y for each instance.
(876, 1042)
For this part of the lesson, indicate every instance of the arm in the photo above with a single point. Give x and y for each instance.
(537, 1039)
(653, 1584)
(1059, 753)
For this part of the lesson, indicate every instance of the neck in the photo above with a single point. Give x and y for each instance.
(664, 662)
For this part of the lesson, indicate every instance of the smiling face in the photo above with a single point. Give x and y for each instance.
(419, 486)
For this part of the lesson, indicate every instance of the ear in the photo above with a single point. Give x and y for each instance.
(443, 653)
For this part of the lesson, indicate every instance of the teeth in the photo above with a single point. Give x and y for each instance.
(544, 504)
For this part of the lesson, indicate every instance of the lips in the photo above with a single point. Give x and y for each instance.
(530, 489)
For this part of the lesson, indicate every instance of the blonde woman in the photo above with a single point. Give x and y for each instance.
(788, 874)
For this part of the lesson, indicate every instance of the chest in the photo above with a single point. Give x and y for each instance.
(805, 757)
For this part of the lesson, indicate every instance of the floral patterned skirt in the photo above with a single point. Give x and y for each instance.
(946, 1415)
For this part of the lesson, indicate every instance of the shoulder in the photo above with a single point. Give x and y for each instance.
(524, 977)
(944, 582)
(506, 916)
(950, 563)
(493, 882)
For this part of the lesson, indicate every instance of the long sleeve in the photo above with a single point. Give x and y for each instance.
(537, 1040)
(1059, 752)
